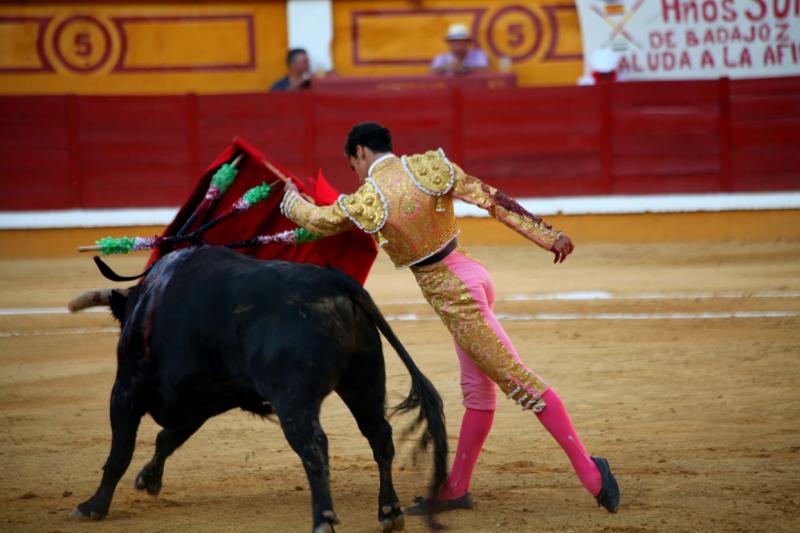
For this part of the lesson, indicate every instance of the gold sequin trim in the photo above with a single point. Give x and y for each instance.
(366, 208)
(320, 220)
(471, 190)
(454, 304)
(534, 230)
(431, 172)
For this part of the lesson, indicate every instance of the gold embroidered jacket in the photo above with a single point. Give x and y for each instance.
(407, 202)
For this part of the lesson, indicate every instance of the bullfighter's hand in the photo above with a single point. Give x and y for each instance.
(290, 185)
(562, 248)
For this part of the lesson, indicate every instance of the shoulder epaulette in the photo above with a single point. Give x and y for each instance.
(431, 172)
(366, 208)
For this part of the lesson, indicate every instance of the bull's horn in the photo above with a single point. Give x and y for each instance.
(95, 298)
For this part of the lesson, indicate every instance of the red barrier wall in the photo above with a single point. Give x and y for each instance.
(71, 151)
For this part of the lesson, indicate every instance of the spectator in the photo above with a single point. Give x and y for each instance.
(299, 67)
(463, 56)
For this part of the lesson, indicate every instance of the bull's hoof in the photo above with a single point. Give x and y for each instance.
(391, 518)
(82, 512)
(146, 480)
(327, 525)
(324, 527)
(396, 524)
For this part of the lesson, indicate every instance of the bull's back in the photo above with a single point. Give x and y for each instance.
(235, 283)
(226, 317)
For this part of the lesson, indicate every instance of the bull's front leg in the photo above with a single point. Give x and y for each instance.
(306, 437)
(124, 425)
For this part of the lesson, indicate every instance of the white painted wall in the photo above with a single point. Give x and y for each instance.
(575, 205)
(310, 25)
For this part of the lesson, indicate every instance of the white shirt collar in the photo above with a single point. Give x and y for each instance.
(381, 158)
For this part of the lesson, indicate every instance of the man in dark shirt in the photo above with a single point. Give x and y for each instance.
(298, 78)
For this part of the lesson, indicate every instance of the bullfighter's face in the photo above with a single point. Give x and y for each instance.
(360, 162)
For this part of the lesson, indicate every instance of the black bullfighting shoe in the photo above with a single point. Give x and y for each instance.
(425, 506)
(609, 493)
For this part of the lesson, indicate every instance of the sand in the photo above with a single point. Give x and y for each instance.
(699, 417)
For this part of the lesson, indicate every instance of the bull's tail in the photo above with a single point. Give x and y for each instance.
(423, 394)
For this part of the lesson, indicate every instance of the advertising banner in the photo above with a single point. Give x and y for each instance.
(695, 39)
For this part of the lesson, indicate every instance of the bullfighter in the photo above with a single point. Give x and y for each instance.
(407, 204)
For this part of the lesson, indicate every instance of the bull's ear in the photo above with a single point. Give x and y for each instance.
(118, 301)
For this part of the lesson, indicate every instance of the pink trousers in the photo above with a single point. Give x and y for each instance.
(460, 290)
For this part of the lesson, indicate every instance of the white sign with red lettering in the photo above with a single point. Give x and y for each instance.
(694, 39)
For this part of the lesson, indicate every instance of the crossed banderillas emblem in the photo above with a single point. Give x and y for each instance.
(619, 27)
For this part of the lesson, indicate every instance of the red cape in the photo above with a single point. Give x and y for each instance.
(353, 252)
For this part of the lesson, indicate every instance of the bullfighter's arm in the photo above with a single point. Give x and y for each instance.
(320, 220)
(505, 209)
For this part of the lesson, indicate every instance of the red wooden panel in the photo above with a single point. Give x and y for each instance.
(534, 141)
(759, 182)
(35, 178)
(134, 151)
(504, 104)
(666, 137)
(665, 107)
(68, 151)
(666, 165)
(550, 186)
(418, 120)
(678, 144)
(767, 160)
(488, 143)
(789, 85)
(34, 154)
(512, 115)
(667, 120)
(689, 183)
(113, 183)
(766, 133)
(774, 98)
(544, 166)
(33, 110)
(276, 123)
(659, 93)
(132, 119)
(33, 121)
(765, 106)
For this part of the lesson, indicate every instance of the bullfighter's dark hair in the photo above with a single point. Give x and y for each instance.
(293, 53)
(370, 135)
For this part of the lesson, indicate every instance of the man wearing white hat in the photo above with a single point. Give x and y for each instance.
(463, 57)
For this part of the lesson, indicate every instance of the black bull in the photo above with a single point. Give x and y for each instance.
(210, 330)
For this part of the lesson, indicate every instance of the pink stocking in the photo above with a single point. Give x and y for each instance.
(556, 421)
(475, 427)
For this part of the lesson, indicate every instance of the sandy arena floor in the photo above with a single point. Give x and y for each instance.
(698, 411)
